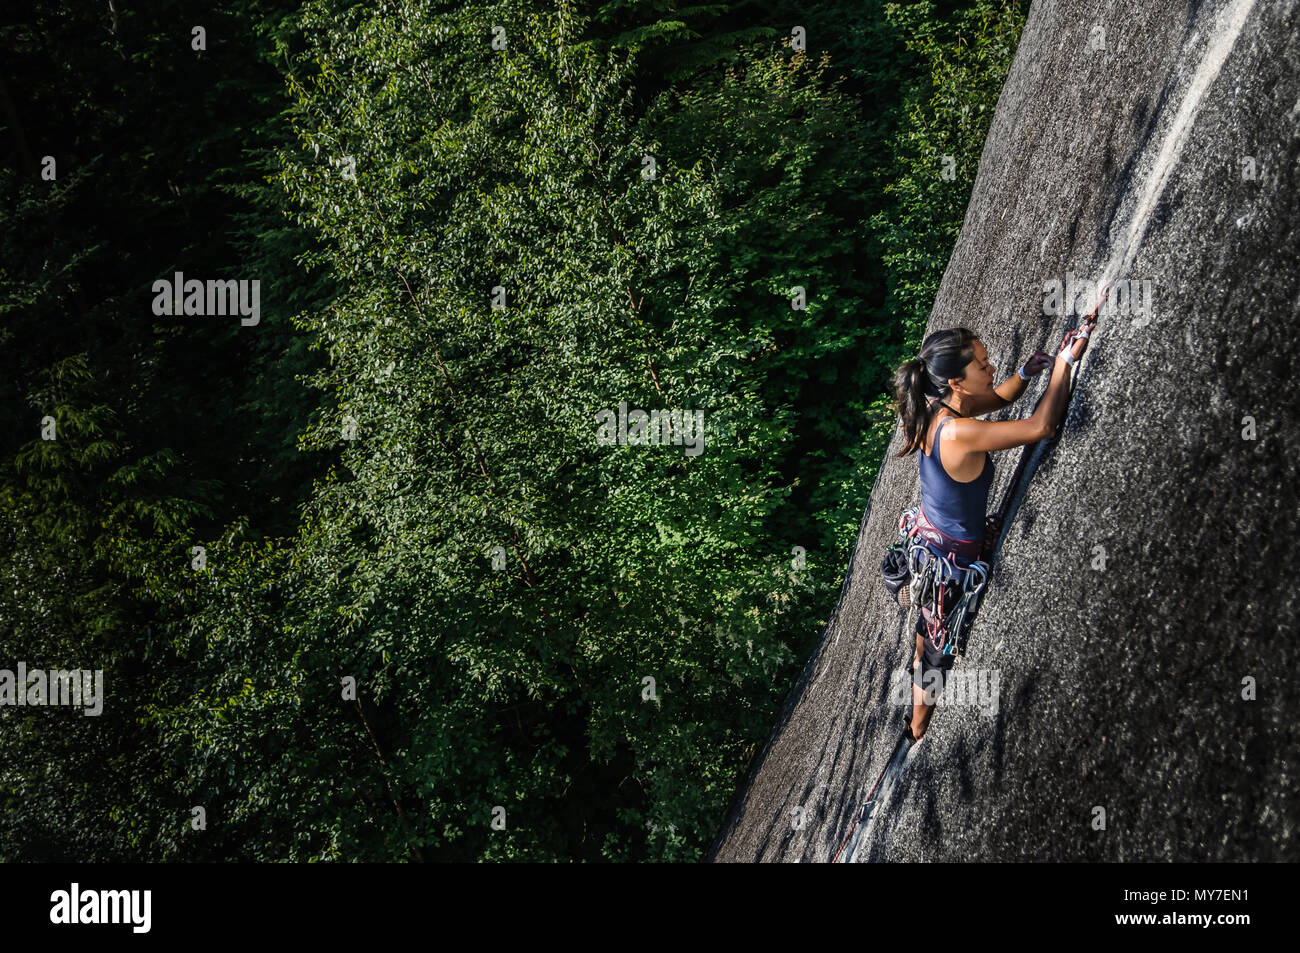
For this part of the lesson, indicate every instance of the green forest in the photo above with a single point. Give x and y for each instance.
(446, 425)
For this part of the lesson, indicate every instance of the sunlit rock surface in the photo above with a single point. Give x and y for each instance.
(1171, 155)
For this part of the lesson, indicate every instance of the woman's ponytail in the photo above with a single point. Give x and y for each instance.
(910, 384)
(944, 355)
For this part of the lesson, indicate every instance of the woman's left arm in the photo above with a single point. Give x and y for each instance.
(1003, 394)
(1011, 388)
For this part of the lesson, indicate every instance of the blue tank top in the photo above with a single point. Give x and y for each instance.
(953, 507)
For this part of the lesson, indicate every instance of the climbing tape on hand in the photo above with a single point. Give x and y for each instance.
(1070, 337)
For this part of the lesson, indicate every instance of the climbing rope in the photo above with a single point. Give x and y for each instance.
(900, 749)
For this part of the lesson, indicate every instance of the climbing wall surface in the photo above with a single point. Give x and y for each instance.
(1149, 573)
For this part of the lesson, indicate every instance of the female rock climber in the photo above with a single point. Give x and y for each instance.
(939, 395)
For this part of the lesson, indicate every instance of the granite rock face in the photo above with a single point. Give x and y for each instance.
(1152, 563)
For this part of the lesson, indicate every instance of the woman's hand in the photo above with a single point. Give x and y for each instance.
(1038, 363)
(1077, 340)
(1090, 323)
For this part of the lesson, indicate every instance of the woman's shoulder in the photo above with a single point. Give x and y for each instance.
(939, 420)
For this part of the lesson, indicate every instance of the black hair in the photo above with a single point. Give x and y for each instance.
(944, 355)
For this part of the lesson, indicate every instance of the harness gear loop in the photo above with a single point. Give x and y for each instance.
(934, 573)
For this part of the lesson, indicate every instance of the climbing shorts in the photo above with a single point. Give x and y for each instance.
(931, 658)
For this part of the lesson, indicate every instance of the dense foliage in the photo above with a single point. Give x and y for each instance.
(366, 580)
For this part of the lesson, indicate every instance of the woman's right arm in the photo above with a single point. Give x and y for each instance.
(976, 435)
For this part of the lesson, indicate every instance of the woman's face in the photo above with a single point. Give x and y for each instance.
(979, 372)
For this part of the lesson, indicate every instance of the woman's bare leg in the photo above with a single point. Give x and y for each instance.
(921, 712)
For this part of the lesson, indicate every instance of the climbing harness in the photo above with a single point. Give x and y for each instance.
(939, 573)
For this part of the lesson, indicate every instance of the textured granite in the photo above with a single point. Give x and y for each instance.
(1120, 687)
